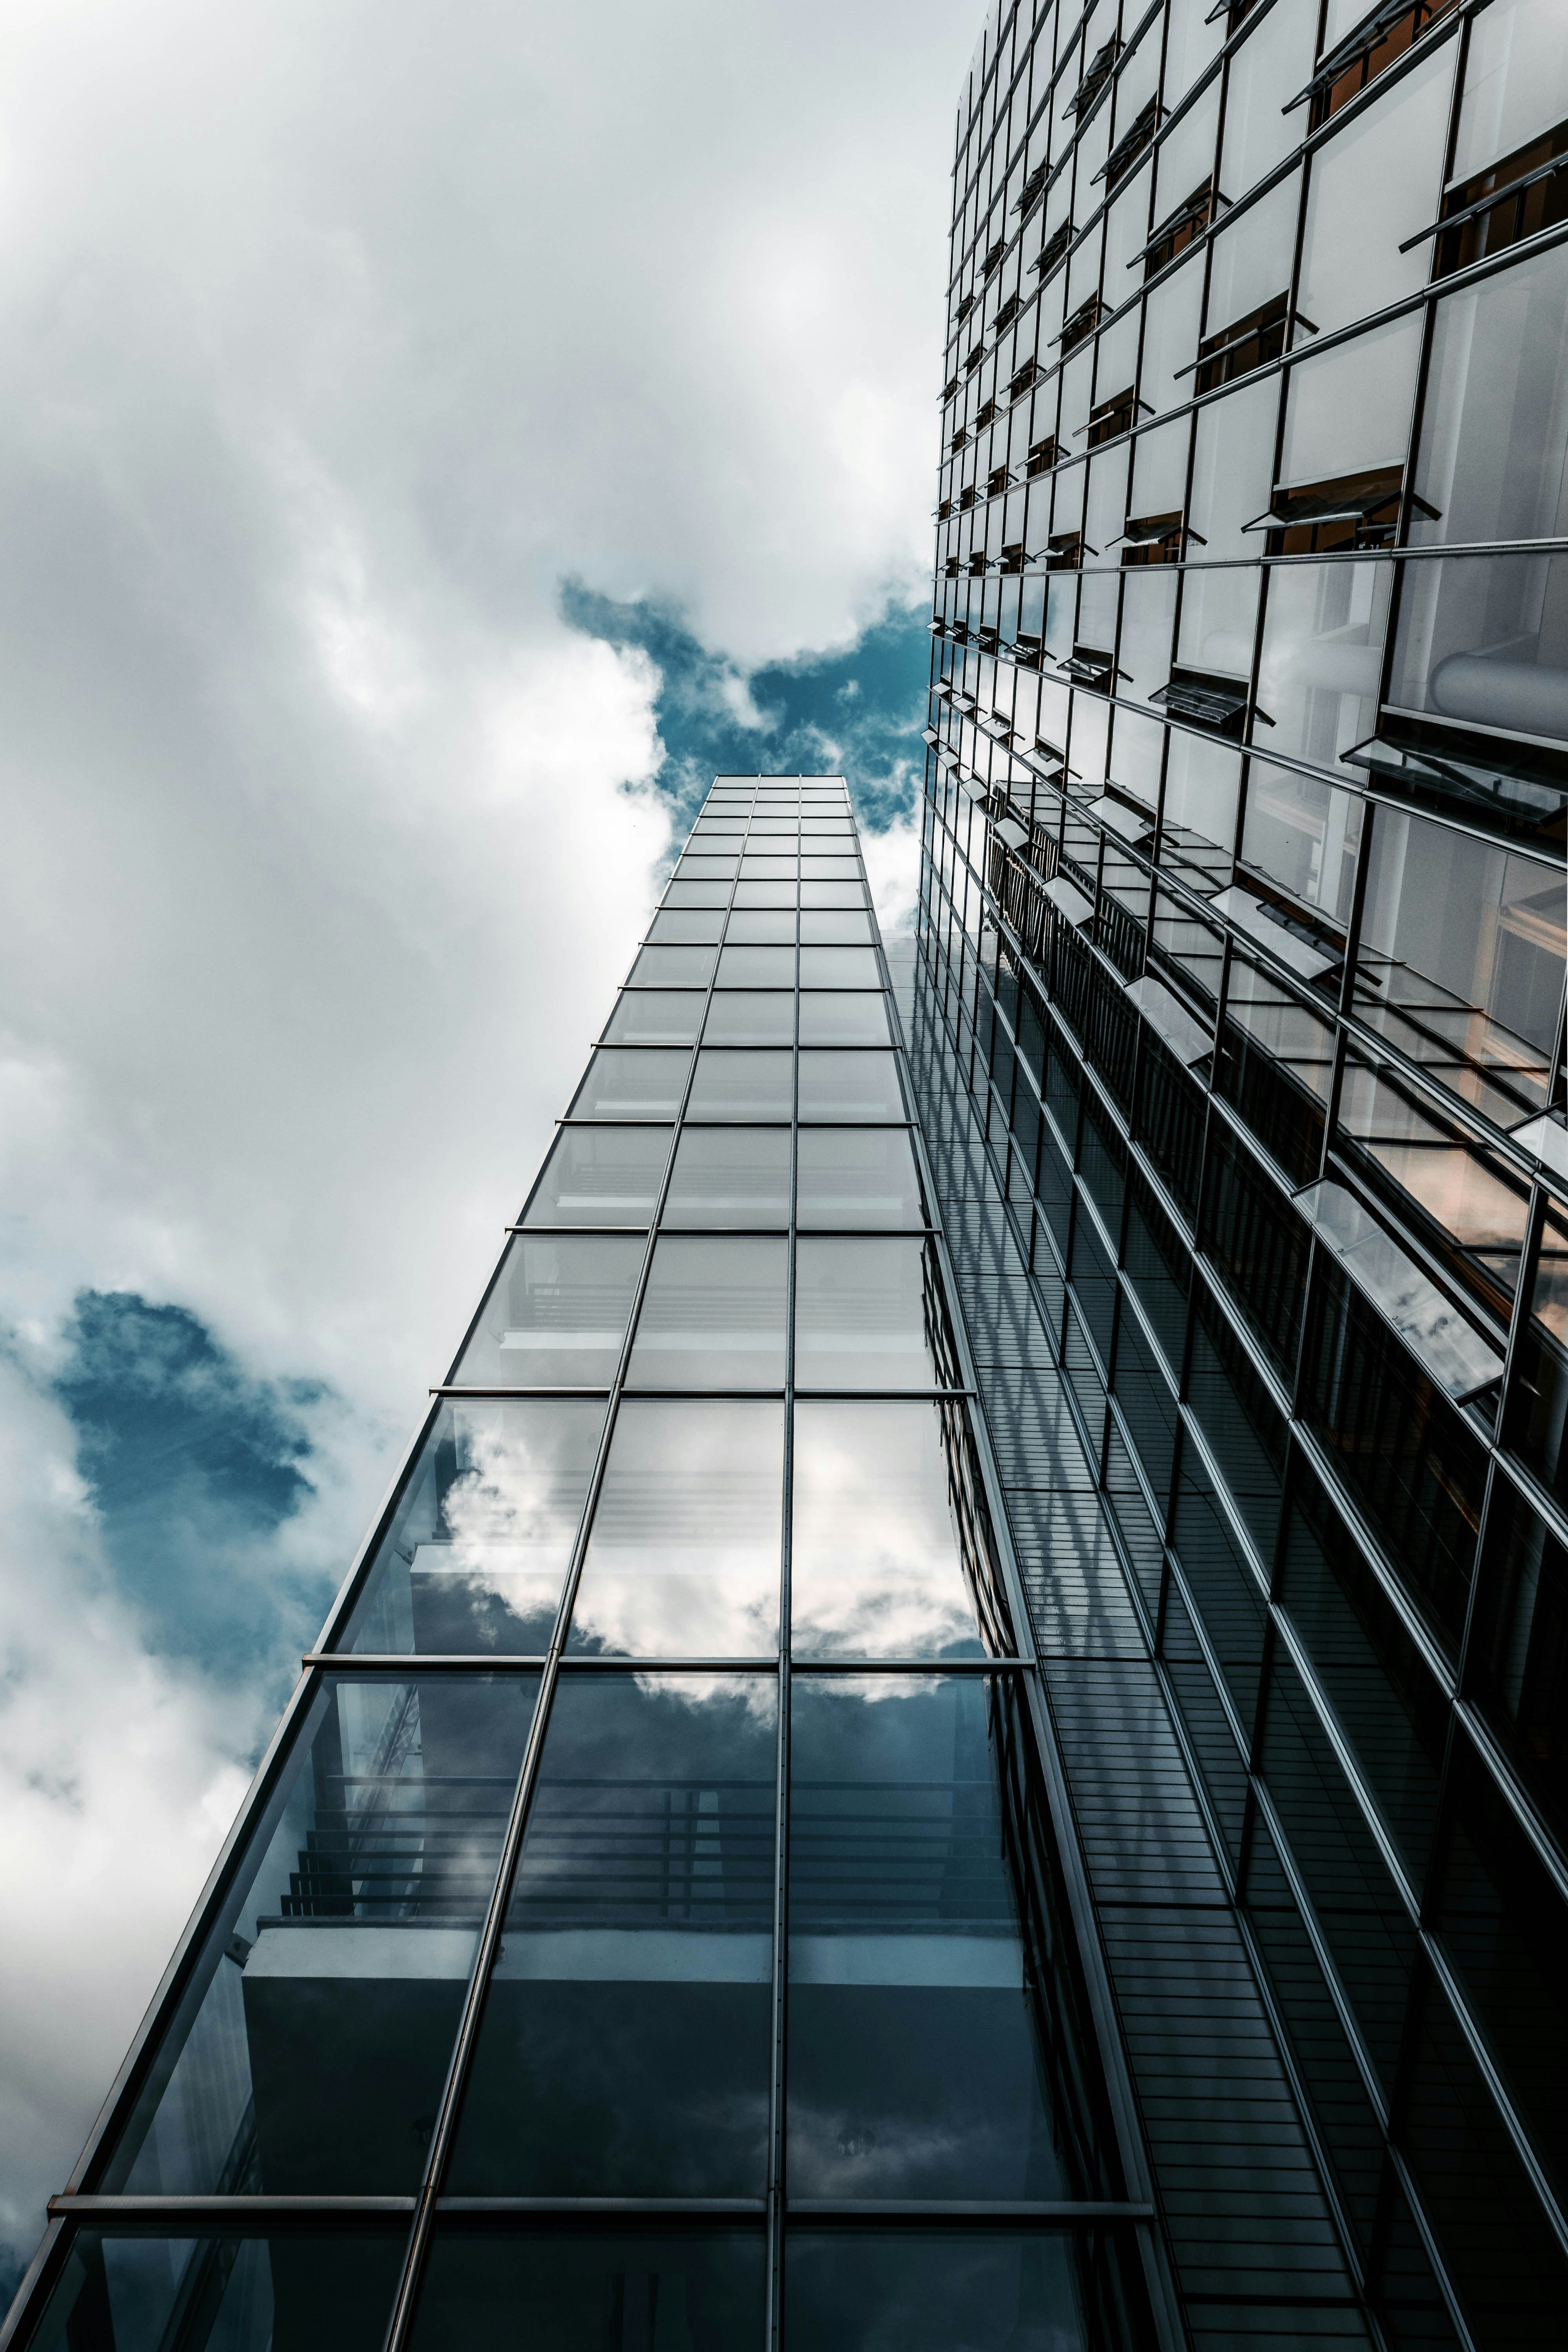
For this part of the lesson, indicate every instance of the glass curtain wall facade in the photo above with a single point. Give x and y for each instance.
(651, 1925)
(1237, 1027)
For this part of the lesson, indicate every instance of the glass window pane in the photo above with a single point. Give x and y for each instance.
(735, 1085)
(868, 1314)
(698, 867)
(697, 894)
(775, 929)
(295, 2289)
(961, 2291)
(480, 1542)
(844, 1020)
(672, 967)
(713, 1315)
(850, 1086)
(600, 1176)
(624, 2048)
(644, 1017)
(632, 1083)
(583, 2288)
(836, 930)
(729, 1176)
(675, 928)
(555, 1315)
(832, 894)
(915, 2054)
(683, 1561)
(308, 2053)
(748, 967)
(890, 1552)
(764, 866)
(744, 1019)
(857, 1176)
(839, 968)
(828, 869)
(767, 894)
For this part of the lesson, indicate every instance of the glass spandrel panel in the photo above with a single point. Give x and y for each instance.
(915, 2055)
(600, 1176)
(713, 1316)
(684, 2287)
(626, 1081)
(756, 966)
(961, 2291)
(683, 1560)
(307, 2054)
(680, 927)
(761, 929)
(767, 894)
(750, 1017)
(857, 1176)
(729, 1176)
(839, 968)
(646, 1017)
(731, 1083)
(848, 1085)
(283, 2291)
(830, 930)
(625, 2044)
(555, 1315)
(890, 1552)
(477, 1552)
(868, 1314)
(690, 967)
(848, 1020)
(820, 895)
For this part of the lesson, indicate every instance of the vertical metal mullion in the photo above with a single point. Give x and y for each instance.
(775, 2183)
(401, 2322)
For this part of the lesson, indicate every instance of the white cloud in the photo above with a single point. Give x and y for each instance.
(331, 337)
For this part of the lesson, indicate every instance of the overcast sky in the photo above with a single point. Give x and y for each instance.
(432, 441)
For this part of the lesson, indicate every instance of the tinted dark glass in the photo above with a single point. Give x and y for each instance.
(288, 2292)
(630, 2290)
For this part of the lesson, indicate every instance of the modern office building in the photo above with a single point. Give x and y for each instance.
(953, 1734)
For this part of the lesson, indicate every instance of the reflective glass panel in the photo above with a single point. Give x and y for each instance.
(828, 869)
(737, 1018)
(751, 967)
(971, 2291)
(832, 894)
(844, 1020)
(713, 1317)
(624, 2048)
(762, 866)
(731, 1083)
(868, 1314)
(774, 929)
(729, 1176)
(889, 1554)
(291, 2291)
(835, 930)
(308, 2053)
(683, 1561)
(839, 968)
(630, 1082)
(692, 2289)
(765, 894)
(647, 1017)
(857, 1176)
(690, 967)
(674, 928)
(477, 1547)
(697, 894)
(600, 1176)
(848, 1085)
(915, 2061)
(555, 1315)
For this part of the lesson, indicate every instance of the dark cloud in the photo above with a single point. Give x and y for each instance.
(195, 1467)
(859, 709)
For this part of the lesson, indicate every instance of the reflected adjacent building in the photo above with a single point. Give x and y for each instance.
(954, 1736)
